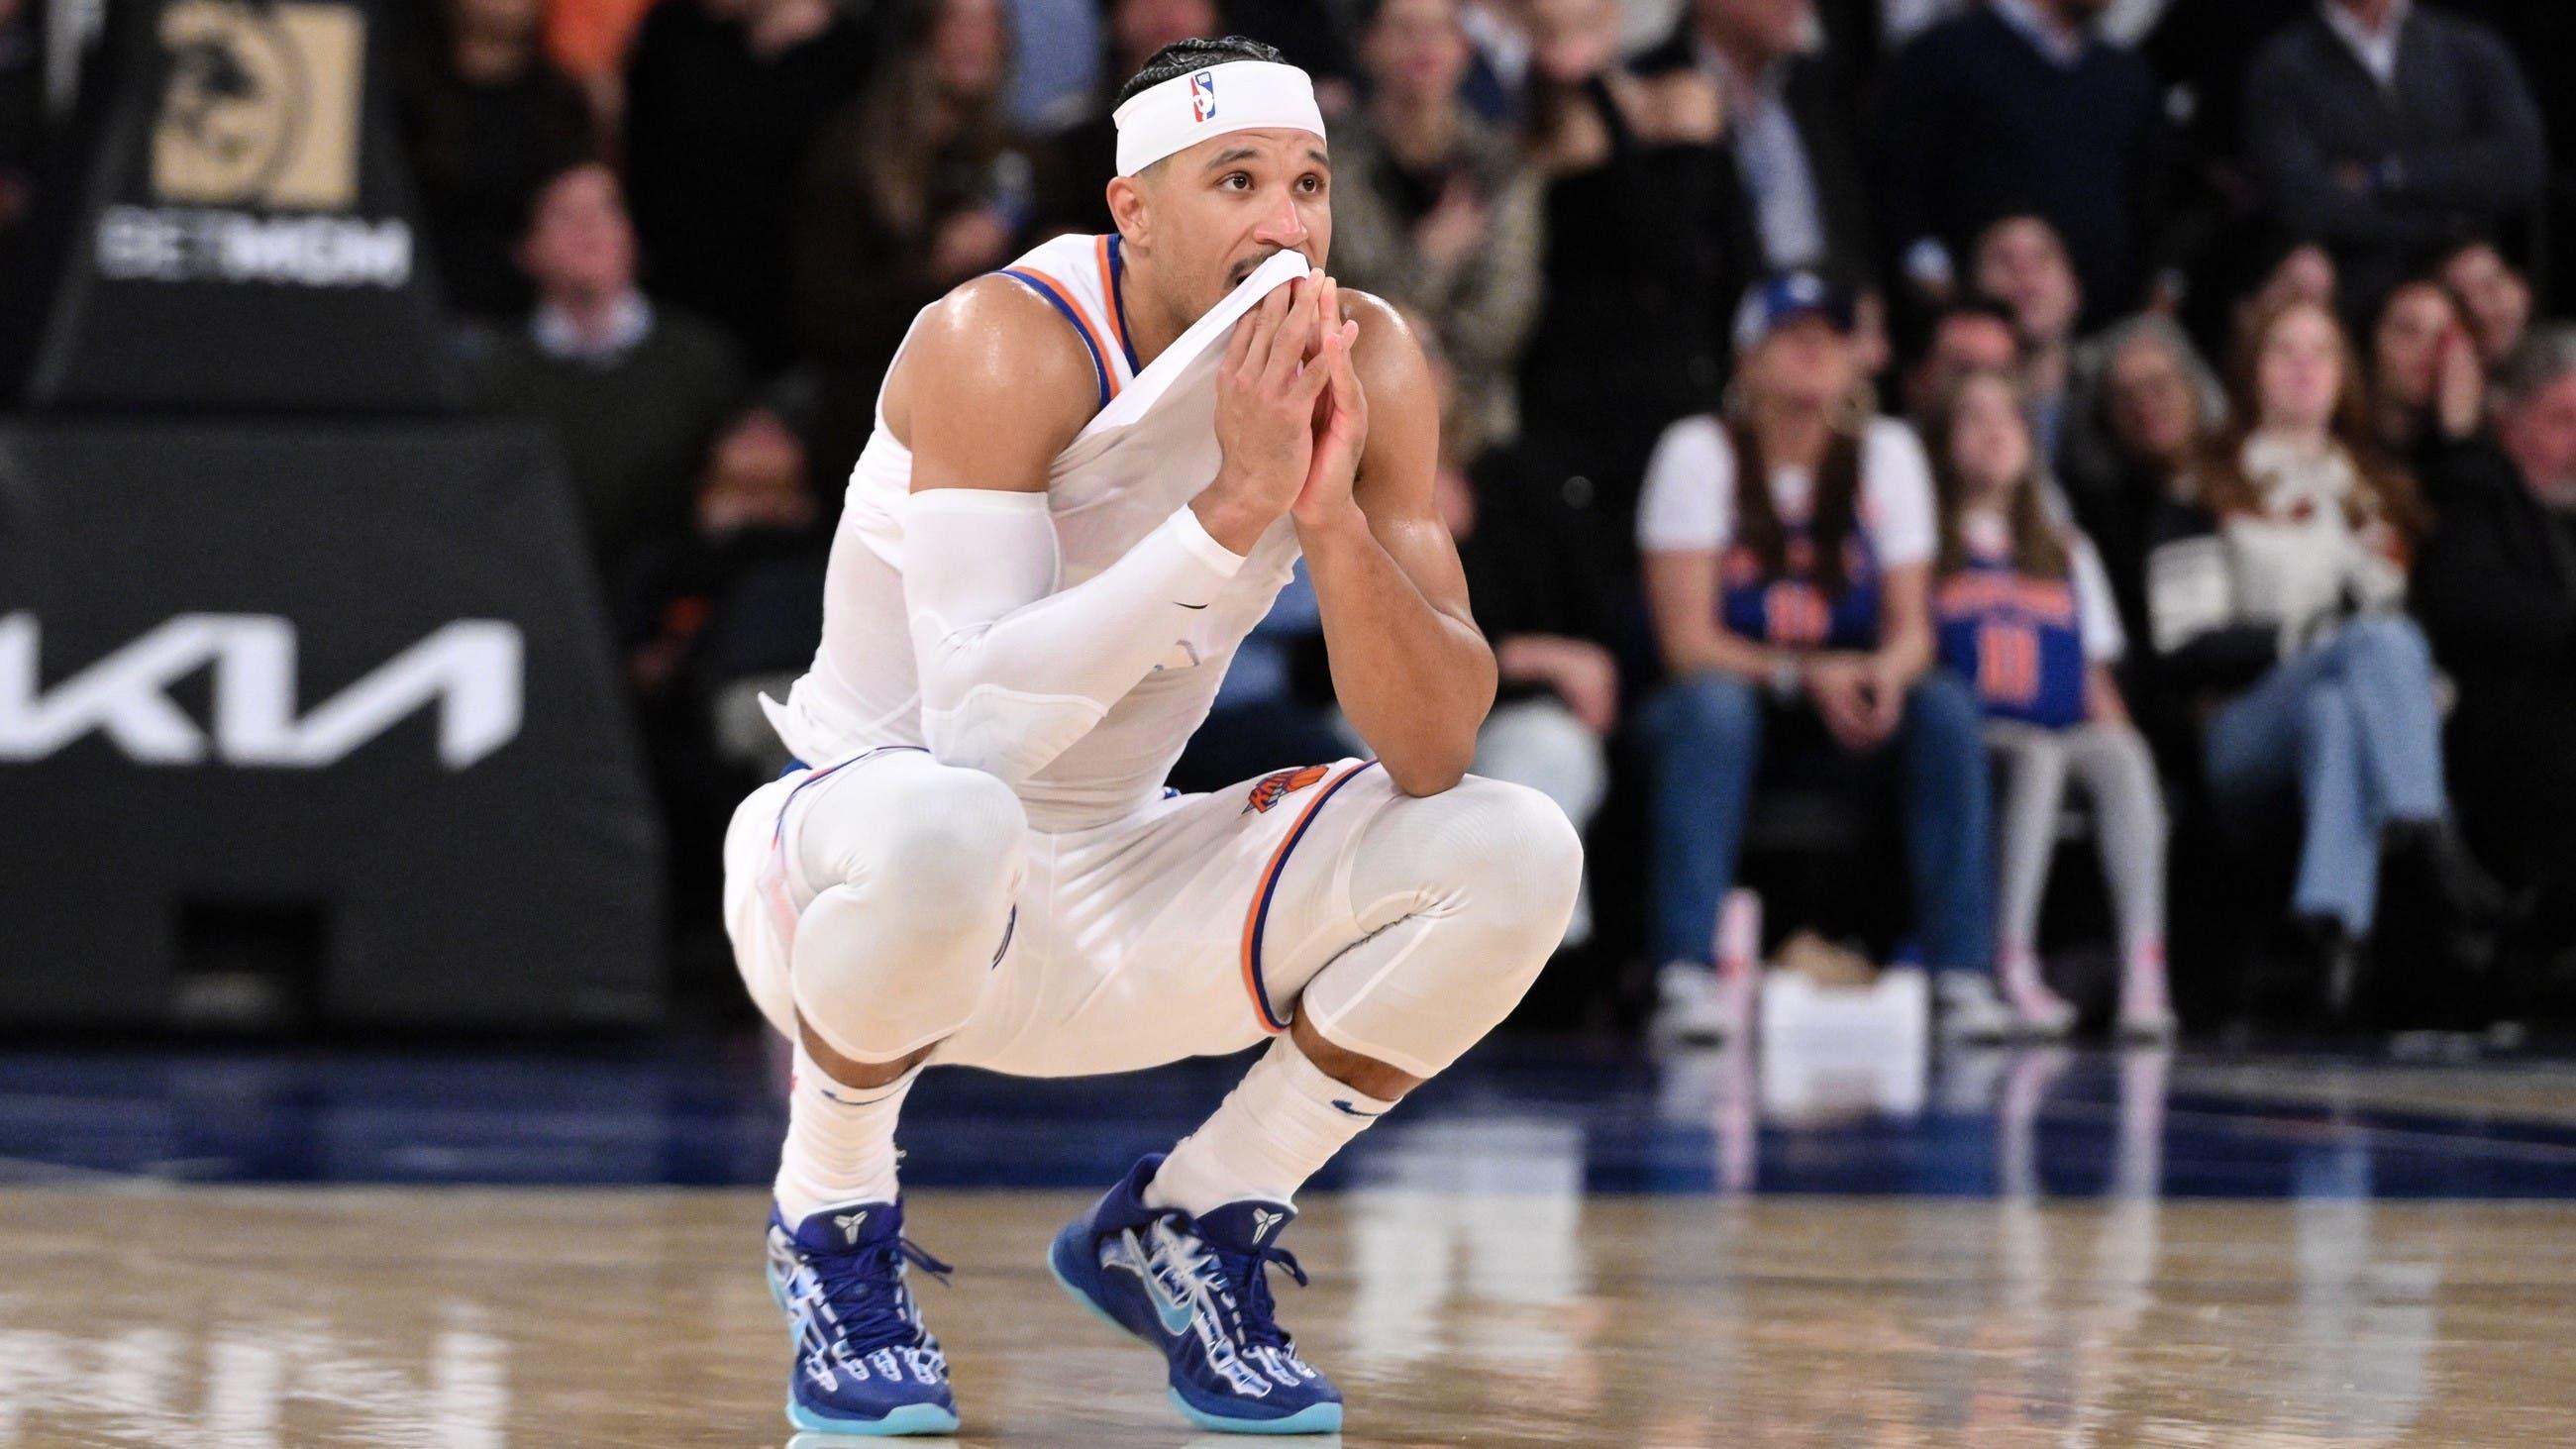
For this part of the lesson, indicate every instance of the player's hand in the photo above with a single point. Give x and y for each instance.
(1265, 416)
(1340, 415)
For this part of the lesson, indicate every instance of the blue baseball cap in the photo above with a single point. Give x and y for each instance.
(1783, 298)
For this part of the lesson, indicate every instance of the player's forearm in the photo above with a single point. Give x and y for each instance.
(1014, 671)
(1416, 682)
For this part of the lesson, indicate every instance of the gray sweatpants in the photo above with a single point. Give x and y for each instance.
(2112, 763)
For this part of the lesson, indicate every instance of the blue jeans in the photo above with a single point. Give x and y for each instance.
(2352, 724)
(1707, 736)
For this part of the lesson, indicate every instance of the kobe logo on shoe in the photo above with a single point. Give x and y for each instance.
(849, 1224)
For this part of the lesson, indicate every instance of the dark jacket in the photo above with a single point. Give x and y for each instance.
(2452, 148)
(1819, 101)
(1974, 125)
(2495, 586)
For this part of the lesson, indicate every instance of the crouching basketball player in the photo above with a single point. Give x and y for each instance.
(1091, 472)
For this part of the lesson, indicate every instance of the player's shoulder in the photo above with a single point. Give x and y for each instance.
(1387, 354)
(995, 351)
(996, 328)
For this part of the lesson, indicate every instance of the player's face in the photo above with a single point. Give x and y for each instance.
(1218, 210)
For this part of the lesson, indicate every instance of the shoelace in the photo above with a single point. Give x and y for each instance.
(1241, 1280)
(865, 1289)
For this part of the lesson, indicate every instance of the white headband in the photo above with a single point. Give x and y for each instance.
(1240, 95)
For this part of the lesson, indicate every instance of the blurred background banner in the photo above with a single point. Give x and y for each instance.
(247, 239)
(340, 720)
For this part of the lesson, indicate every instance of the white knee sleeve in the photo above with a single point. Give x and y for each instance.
(919, 864)
(1465, 894)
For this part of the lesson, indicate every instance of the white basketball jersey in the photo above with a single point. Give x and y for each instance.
(1150, 449)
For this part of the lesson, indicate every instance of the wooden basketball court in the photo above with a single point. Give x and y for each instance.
(418, 1316)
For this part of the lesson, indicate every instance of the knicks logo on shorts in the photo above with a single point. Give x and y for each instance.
(1203, 96)
(1275, 788)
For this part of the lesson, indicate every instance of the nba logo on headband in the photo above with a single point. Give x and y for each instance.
(1259, 95)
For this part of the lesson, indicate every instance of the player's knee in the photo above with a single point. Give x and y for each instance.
(1517, 858)
(951, 842)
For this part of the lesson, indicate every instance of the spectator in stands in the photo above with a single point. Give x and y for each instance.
(2427, 380)
(723, 98)
(487, 119)
(1433, 209)
(588, 40)
(2301, 271)
(1645, 252)
(1081, 156)
(1542, 588)
(1971, 333)
(2276, 600)
(2018, 108)
(2022, 262)
(2025, 617)
(631, 388)
(2494, 298)
(916, 186)
(1787, 550)
(2381, 126)
(1789, 126)
(730, 602)
(2496, 589)
(21, 108)
(2155, 406)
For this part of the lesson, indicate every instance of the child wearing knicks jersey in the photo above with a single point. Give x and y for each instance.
(2024, 613)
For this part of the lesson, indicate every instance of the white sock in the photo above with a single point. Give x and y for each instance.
(840, 1141)
(1273, 1131)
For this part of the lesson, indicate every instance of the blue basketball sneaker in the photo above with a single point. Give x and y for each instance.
(864, 1363)
(1199, 1290)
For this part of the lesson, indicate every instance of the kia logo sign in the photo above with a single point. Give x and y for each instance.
(470, 669)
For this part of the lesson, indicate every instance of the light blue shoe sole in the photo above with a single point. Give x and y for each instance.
(910, 1419)
(1313, 1419)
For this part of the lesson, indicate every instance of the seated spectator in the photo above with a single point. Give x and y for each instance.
(631, 389)
(2022, 263)
(588, 40)
(916, 187)
(1971, 333)
(1787, 551)
(1082, 154)
(2019, 108)
(728, 603)
(1645, 253)
(1542, 587)
(2025, 616)
(2427, 380)
(2276, 600)
(2152, 409)
(2496, 589)
(2494, 298)
(2381, 126)
(2300, 271)
(723, 98)
(1789, 127)
(487, 120)
(1433, 210)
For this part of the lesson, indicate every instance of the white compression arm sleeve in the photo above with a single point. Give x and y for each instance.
(1014, 671)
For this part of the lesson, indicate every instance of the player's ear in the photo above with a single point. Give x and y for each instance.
(1127, 209)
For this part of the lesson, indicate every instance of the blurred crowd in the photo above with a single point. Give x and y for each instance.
(1865, 418)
